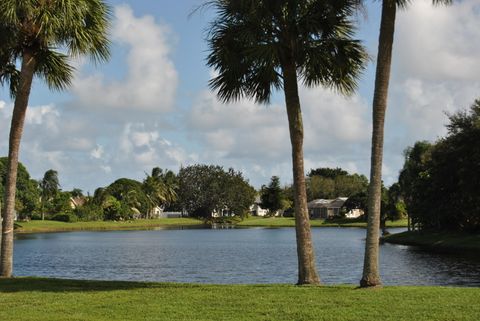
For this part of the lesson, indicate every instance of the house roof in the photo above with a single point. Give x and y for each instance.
(327, 203)
(78, 201)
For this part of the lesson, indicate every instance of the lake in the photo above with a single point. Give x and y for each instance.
(243, 255)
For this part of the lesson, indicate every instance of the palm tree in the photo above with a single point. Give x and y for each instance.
(371, 275)
(35, 30)
(160, 188)
(258, 46)
(49, 186)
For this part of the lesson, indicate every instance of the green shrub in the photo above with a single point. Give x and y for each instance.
(64, 218)
(89, 212)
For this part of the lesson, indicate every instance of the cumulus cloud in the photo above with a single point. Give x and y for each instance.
(435, 72)
(439, 42)
(256, 137)
(151, 80)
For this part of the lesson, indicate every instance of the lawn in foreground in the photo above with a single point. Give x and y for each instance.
(51, 226)
(30, 299)
(290, 222)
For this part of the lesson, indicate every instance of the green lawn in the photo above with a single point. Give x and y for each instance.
(290, 222)
(29, 299)
(51, 226)
(438, 240)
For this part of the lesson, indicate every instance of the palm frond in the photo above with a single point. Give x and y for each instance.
(55, 69)
(250, 42)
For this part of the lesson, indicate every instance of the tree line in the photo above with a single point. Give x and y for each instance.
(255, 47)
(439, 181)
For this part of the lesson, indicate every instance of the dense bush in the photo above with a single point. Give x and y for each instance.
(206, 188)
(64, 218)
(89, 212)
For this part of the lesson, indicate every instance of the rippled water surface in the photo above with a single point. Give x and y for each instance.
(254, 255)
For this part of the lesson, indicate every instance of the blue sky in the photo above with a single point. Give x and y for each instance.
(150, 104)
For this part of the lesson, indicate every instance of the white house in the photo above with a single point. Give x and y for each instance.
(256, 208)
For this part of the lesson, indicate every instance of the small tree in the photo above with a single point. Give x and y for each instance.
(272, 196)
(49, 187)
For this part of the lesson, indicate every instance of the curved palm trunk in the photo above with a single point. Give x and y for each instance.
(307, 273)
(16, 129)
(371, 275)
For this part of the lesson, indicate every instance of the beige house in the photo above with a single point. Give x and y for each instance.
(328, 208)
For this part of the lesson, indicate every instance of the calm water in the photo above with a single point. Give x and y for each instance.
(255, 255)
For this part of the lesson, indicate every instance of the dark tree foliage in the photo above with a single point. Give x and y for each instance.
(129, 193)
(328, 172)
(359, 200)
(28, 194)
(208, 188)
(440, 181)
(272, 196)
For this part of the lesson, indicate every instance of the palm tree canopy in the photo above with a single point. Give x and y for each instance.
(52, 31)
(252, 40)
(49, 184)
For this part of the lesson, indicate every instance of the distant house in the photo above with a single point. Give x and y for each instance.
(325, 208)
(77, 201)
(354, 213)
(256, 208)
(328, 208)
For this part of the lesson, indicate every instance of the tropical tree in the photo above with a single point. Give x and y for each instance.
(258, 46)
(205, 189)
(371, 275)
(160, 188)
(42, 36)
(272, 196)
(49, 186)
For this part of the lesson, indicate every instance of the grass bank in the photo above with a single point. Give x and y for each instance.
(441, 241)
(290, 222)
(54, 226)
(30, 299)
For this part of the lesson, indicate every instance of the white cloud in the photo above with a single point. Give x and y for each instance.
(256, 137)
(98, 152)
(439, 42)
(151, 80)
(435, 71)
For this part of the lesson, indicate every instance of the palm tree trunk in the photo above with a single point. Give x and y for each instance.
(371, 275)
(16, 129)
(307, 273)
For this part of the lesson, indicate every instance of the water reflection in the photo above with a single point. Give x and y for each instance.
(256, 255)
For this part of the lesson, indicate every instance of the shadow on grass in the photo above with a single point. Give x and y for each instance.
(29, 284)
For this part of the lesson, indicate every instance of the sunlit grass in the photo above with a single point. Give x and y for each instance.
(49, 226)
(290, 221)
(29, 299)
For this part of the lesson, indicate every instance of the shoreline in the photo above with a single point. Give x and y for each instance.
(173, 223)
(446, 242)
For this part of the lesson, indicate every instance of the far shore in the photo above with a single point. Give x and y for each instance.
(37, 226)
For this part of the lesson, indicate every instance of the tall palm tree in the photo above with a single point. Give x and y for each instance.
(49, 187)
(43, 35)
(258, 46)
(371, 275)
